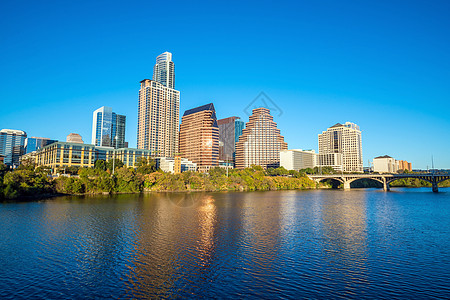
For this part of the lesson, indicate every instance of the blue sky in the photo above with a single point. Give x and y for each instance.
(384, 65)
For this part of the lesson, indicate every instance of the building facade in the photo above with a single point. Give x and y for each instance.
(385, 164)
(164, 70)
(35, 143)
(108, 128)
(230, 129)
(74, 138)
(64, 154)
(297, 159)
(261, 142)
(159, 110)
(346, 140)
(12, 146)
(404, 165)
(333, 160)
(199, 137)
(176, 165)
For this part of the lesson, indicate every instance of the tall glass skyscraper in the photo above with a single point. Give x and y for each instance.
(12, 146)
(108, 128)
(164, 70)
(230, 129)
(159, 110)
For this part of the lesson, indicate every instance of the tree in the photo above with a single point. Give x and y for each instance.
(117, 164)
(145, 166)
(100, 164)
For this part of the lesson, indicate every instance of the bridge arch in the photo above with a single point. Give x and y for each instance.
(338, 181)
(388, 181)
(370, 178)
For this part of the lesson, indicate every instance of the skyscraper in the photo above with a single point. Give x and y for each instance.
(74, 138)
(199, 137)
(108, 128)
(12, 146)
(230, 129)
(164, 70)
(159, 110)
(261, 142)
(346, 140)
(35, 143)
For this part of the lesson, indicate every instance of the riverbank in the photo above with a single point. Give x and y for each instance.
(33, 183)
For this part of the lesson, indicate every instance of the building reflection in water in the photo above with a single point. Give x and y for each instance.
(175, 242)
(344, 220)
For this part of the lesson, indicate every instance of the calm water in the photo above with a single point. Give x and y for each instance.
(290, 244)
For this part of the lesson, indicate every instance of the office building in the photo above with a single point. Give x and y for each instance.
(12, 146)
(176, 165)
(35, 143)
(66, 154)
(346, 140)
(404, 165)
(108, 128)
(230, 129)
(199, 137)
(297, 159)
(261, 142)
(74, 138)
(159, 110)
(385, 164)
(333, 160)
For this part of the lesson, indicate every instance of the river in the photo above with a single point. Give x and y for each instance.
(363, 243)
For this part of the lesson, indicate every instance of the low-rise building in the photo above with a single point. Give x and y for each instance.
(297, 159)
(175, 165)
(64, 154)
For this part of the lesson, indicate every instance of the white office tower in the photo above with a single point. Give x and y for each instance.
(343, 139)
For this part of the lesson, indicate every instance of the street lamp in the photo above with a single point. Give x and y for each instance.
(114, 154)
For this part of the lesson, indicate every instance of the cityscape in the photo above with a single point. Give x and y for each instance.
(225, 150)
(200, 142)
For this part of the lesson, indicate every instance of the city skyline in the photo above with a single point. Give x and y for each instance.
(393, 84)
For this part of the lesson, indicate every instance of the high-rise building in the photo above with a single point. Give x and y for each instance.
(261, 142)
(230, 129)
(35, 143)
(108, 128)
(159, 110)
(164, 70)
(74, 138)
(199, 137)
(12, 146)
(346, 140)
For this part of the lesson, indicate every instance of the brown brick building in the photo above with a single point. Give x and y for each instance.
(199, 137)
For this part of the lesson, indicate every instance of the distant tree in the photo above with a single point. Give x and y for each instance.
(117, 164)
(100, 164)
(145, 166)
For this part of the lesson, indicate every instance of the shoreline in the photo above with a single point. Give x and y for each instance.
(47, 196)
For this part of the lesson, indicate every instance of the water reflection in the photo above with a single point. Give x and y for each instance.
(293, 244)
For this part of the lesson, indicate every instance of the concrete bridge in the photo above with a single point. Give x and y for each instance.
(384, 179)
